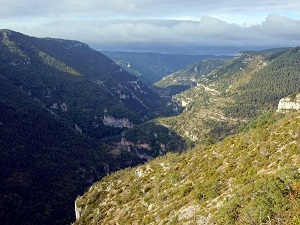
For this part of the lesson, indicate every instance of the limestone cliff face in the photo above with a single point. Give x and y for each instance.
(77, 210)
(116, 122)
(289, 103)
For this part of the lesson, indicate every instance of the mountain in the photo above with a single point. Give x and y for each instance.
(63, 110)
(235, 93)
(187, 77)
(75, 81)
(249, 178)
(151, 67)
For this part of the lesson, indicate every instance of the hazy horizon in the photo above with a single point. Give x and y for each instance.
(192, 27)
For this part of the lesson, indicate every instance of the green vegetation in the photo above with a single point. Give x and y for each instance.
(56, 64)
(248, 178)
(54, 95)
(267, 86)
(45, 163)
(152, 67)
(188, 77)
(65, 110)
(157, 138)
(235, 94)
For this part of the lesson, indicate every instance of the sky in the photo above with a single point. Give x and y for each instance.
(166, 26)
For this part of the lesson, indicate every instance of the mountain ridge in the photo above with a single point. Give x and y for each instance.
(151, 67)
(93, 70)
(186, 78)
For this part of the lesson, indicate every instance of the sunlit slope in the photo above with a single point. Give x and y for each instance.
(234, 94)
(249, 178)
(187, 77)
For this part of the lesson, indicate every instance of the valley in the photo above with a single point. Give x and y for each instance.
(171, 139)
(151, 67)
(64, 108)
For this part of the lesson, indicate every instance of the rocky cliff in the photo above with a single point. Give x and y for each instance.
(288, 103)
(116, 122)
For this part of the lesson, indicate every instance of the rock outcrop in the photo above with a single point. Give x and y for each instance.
(116, 122)
(288, 103)
(77, 211)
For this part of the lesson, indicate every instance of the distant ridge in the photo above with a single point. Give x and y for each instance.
(151, 67)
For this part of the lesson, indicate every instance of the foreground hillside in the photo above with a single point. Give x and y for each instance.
(249, 178)
(236, 93)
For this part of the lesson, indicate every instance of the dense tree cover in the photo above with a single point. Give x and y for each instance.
(234, 94)
(160, 139)
(51, 90)
(45, 163)
(57, 71)
(186, 78)
(267, 86)
(171, 90)
(49, 87)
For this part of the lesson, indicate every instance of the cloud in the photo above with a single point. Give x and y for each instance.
(138, 9)
(276, 26)
(207, 33)
(158, 25)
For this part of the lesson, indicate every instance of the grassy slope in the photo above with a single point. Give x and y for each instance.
(248, 178)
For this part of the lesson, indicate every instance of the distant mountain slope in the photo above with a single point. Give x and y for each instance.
(152, 67)
(75, 82)
(186, 78)
(237, 92)
(249, 178)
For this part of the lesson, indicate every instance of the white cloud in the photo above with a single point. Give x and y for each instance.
(277, 26)
(144, 24)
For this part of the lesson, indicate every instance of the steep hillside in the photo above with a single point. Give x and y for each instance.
(186, 78)
(249, 178)
(45, 163)
(63, 109)
(236, 93)
(75, 83)
(152, 67)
